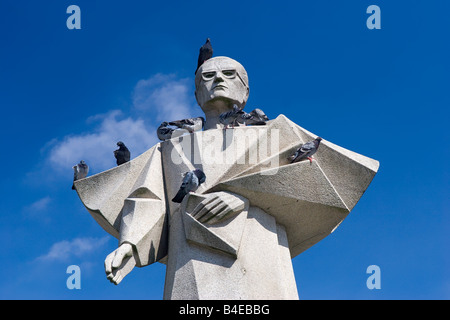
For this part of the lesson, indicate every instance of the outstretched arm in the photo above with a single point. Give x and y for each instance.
(142, 239)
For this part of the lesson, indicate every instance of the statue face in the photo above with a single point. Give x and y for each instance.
(221, 78)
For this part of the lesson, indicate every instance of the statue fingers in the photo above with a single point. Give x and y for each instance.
(118, 278)
(202, 204)
(108, 262)
(231, 205)
(222, 213)
(214, 212)
(203, 207)
(207, 209)
(125, 250)
(118, 258)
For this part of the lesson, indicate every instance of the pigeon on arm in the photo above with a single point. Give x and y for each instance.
(80, 171)
(122, 154)
(306, 151)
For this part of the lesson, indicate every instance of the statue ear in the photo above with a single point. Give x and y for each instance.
(247, 95)
(196, 99)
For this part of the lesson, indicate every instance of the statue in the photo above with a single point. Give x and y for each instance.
(235, 236)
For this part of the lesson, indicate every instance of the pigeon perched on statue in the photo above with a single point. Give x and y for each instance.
(191, 181)
(122, 154)
(231, 117)
(306, 151)
(164, 132)
(191, 124)
(80, 171)
(256, 117)
(206, 52)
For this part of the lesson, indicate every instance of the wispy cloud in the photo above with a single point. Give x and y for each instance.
(39, 205)
(165, 97)
(37, 210)
(97, 147)
(78, 247)
(156, 99)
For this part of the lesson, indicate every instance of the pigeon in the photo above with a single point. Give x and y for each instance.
(306, 151)
(191, 181)
(256, 117)
(122, 154)
(191, 125)
(206, 52)
(80, 171)
(230, 117)
(164, 132)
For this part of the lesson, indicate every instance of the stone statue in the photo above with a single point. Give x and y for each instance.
(233, 238)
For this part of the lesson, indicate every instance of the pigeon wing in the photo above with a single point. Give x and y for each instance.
(307, 147)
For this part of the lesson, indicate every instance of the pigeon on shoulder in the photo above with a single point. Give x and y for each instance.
(256, 117)
(164, 132)
(231, 117)
(191, 124)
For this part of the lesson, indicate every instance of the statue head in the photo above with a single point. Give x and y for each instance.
(221, 82)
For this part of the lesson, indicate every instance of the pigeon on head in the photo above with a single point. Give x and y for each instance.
(206, 53)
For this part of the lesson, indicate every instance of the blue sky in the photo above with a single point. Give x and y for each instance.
(67, 95)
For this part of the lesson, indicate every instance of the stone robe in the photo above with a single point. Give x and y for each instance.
(281, 209)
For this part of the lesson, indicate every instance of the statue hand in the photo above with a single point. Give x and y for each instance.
(119, 263)
(217, 206)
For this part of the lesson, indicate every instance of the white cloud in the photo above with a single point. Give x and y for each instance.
(165, 97)
(37, 210)
(97, 147)
(39, 205)
(78, 247)
(159, 98)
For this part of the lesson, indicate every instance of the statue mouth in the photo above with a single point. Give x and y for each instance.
(221, 87)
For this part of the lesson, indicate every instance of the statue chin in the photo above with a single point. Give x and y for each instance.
(220, 104)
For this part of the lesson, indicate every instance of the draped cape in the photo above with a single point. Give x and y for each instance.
(132, 201)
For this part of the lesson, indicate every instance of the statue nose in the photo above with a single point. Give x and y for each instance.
(219, 77)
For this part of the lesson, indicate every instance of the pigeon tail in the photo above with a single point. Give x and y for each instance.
(259, 123)
(179, 196)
